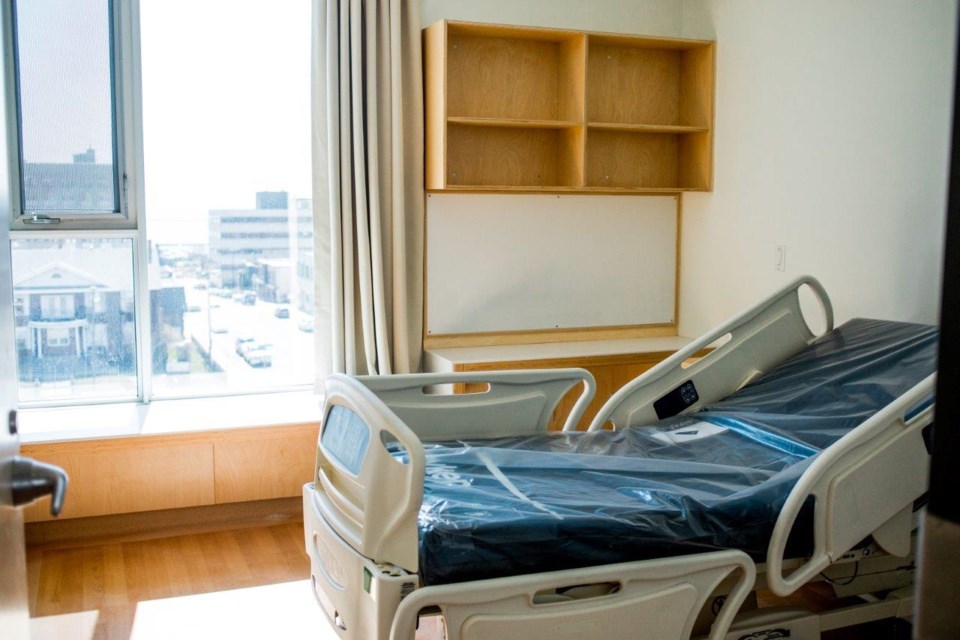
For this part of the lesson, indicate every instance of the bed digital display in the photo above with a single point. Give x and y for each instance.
(346, 437)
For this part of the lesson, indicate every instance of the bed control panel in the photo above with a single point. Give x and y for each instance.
(676, 401)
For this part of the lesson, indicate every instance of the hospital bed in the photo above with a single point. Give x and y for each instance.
(463, 504)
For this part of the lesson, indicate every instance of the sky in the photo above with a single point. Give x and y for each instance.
(226, 100)
(226, 108)
(65, 82)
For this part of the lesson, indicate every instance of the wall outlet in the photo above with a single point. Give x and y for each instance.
(780, 258)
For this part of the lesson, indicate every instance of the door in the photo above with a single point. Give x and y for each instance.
(21, 480)
(14, 616)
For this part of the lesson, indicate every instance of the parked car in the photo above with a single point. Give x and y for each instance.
(306, 325)
(243, 342)
(281, 312)
(249, 298)
(259, 355)
(193, 308)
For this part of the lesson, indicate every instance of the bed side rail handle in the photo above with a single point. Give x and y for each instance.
(836, 480)
(777, 328)
(541, 390)
(375, 504)
(651, 600)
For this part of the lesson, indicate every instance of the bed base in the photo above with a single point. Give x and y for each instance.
(360, 526)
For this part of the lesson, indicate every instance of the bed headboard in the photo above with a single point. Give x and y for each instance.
(756, 340)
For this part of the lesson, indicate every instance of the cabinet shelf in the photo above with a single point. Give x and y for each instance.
(498, 156)
(645, 128)
(530, 109)
(514, 122)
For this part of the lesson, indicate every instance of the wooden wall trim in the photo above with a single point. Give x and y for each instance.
(443, 341)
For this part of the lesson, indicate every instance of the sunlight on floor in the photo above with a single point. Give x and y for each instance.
(285, 610)
(75, 626)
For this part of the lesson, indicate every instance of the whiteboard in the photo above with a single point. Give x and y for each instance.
(528, 262)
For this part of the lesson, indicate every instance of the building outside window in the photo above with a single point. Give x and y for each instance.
(161, 198)
(74, 319)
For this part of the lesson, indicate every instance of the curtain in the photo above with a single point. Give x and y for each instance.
(368, 186)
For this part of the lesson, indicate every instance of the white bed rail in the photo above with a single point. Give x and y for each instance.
(760, 338)
(373, 507)
(515, 403)
(646, 600)
(863, 484)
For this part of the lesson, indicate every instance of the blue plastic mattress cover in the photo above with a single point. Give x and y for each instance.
(714, 479)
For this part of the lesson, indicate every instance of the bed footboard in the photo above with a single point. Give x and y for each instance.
(647, 600)
(369, 497)
(514, 403)
(864, 484)
(759, 339)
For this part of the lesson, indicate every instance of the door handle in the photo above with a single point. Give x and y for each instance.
(32, 480)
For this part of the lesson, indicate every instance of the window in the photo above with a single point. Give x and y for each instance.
(227, 174)
(65, 92)
(162, 212)
(75, 319)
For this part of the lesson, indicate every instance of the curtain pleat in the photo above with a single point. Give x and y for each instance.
(368, 183)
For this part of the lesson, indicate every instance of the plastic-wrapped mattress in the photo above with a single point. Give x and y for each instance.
(713, 479)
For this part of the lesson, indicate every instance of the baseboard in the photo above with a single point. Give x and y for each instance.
(147, 525)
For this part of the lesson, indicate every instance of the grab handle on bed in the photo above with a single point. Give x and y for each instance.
(516, 402)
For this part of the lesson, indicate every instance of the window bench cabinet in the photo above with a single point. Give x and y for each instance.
(132, 474)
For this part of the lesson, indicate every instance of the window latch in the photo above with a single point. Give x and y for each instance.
(40, 219)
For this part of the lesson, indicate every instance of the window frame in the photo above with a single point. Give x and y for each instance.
(126, 115)
(128, 167)
(141, 322)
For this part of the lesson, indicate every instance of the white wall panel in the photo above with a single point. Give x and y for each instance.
(525, 262)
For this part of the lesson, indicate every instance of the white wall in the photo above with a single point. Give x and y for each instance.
(832, 131)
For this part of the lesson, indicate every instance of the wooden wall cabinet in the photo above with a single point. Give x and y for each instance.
(517, 109)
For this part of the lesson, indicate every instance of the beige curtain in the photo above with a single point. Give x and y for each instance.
(368, 185)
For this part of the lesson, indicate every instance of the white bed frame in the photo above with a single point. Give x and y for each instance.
(361, 529)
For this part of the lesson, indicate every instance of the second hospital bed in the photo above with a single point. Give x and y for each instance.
(464, 503)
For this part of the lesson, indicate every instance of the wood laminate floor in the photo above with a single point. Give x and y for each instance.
(247, 583)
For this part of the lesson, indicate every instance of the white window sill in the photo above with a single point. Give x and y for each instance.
(168, 416)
